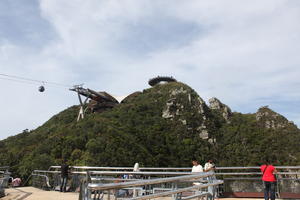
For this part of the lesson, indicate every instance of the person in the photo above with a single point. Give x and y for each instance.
(16, 182)
(209, 166)
(196, 168)
(269, 180)
(64, 176)
(136, 167)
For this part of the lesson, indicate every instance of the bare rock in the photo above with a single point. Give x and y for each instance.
(216, 104)
(204, 134)
(270, 119)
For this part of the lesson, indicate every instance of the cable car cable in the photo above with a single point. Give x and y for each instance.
(15, 78)
(18, 81)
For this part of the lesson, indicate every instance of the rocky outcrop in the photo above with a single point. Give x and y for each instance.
(174, 107)
(216, 104)
(181, 101)
(270, 119)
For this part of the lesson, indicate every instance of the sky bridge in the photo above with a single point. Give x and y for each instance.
(101, 183)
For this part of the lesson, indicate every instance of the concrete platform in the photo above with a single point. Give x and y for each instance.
(31, 193)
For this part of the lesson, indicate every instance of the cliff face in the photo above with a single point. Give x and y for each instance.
(271, 120)
(216, 104)
(166, 125)
(186, 106)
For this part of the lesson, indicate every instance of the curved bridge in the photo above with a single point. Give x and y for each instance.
(159, 79)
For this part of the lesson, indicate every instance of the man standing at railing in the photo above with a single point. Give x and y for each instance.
(269, 180)
(64, 176)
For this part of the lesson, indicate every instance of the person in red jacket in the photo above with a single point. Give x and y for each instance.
(269, 180)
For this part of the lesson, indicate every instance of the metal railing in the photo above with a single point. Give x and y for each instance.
(144, 189)
(86, 168)
(234, 177)
(4, 179)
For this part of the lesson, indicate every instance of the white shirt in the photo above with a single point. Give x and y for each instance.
(136, 167)
(208, 166)
(197, 168)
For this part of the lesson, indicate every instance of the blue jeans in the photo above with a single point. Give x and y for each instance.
(269, 188)
(63, 185)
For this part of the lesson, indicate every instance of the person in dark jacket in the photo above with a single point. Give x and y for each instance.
(64, 176)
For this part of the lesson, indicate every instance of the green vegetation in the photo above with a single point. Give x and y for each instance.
(135, 131)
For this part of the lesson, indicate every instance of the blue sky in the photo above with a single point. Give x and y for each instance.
(246, 53)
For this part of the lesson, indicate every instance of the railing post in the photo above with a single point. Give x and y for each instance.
(174, 187)
(85, 193)
(108, 195)
(211, 189)
(278, 185)
(134, 193)
(116, 194)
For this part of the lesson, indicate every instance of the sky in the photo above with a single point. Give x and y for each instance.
(245, 53)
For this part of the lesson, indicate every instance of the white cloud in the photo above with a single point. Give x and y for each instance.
(243, 52)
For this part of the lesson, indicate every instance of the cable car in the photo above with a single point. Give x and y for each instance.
(41, 88)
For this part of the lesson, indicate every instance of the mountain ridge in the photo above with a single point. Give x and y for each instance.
(165, 125)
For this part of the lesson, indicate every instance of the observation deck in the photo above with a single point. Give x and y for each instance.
(31, 193)
(101, 183)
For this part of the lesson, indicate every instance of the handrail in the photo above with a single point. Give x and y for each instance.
(46, 177)
(168, 168)
(138, 173)
(97, 186)
(161, 173)
(196, 187)
(107, 175)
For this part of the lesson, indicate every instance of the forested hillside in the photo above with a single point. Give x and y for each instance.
(165, 125)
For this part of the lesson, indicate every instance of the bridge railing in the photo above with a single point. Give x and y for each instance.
(180, 187)
(187, 169)
(237, 180)
(4, 179)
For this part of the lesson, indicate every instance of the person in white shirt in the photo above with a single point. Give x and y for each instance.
(209, 166)
(136, 167)
(196, 168)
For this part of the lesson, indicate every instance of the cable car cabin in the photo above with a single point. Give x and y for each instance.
(41, 89)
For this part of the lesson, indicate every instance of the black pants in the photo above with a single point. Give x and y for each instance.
(269, 188)
(63, 183)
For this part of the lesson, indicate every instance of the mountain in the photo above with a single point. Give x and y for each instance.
(165, 125)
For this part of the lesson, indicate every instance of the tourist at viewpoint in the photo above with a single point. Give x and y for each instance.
(269, 180)
(64, 176)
